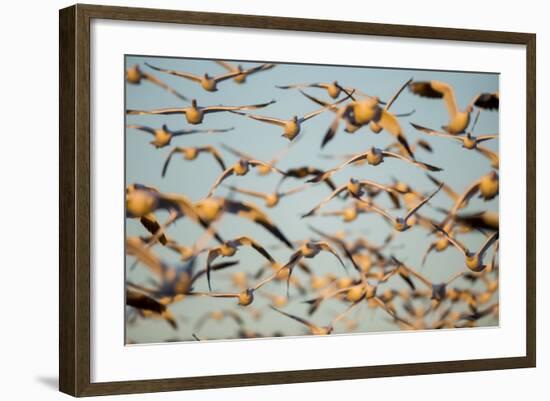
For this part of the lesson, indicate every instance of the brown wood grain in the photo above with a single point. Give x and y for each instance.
(74, 198)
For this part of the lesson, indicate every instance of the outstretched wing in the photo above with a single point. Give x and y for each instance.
(457, 244)
(487, 101)
(167, 161)
(221, 178)
(142, 128)
(158, 82)
(422, 203)
(215, 109)
(214, 152)
(251, 212)
(212, 255)
(254, 244)
(180, 74)
(325, 201)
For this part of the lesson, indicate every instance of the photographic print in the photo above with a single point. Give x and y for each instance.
(268, 199)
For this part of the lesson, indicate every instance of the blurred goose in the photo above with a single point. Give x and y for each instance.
(487, 186)
(242, 167)
(187, 253)
(402, 223)
(439, 290)
(361, 112)
(244, 297)
(374, 157)
(134, 76)
(333, 88)
(137, 298)
(195, 113)
(458, 119)
(229, 248)
(243, 74)
(468, 141)
(262, 170)
(173, 283)
(207, 82)
(163, 136)
(292, 127)
(270, 199)
(354, 187)
(142, 201)
(219, 315)
(191, 153)
(313, 328)
(303, 172)
(474, 260)
(349, 213)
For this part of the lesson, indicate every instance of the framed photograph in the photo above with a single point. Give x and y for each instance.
(279, 200)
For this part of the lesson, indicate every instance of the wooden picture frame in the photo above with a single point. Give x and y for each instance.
(75, 206)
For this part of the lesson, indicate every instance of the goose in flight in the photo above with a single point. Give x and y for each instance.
(163, 136)
(218, 316)
(207, 82)
(361, 112)
(229, 248)
(468, 141)
(395, 147)
(212, 209)
(191, 153)
(187, 253)
(271, 199)
(240, 78)
(242, 167)
(134, 76)
(313, 328)
(194, 114)
(458, 119)
(303, 172)
(244, 297)
(348, 213)
(402, 223)
(439, 290)
(354, 187)
(142, 200)
(138, 298)
(291, 128)
(487, 186)
(333, 88)
(307, 250)
(474, 260)
(374, 157)
(262, 170)
(174, 282)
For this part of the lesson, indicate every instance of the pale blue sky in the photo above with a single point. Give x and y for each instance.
(144, 164)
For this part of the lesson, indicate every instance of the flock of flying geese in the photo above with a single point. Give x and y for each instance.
(367, 269)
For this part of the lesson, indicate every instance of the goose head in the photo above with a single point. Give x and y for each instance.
(400, 224)
(228, 249)
(246, 297)
(241, 167)
(134, 75)
(354, 187)
(272, 200)
(439, 291)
